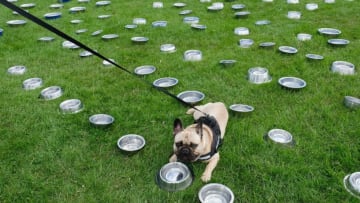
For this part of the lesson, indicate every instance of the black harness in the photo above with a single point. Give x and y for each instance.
(211, 122)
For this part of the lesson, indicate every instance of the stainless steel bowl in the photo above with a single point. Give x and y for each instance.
(352, 102)
(280, 136)
(71, 106)
(338, 42)
(314, 57)
(168, 48)
(17, 70)
(101, 120)
(352, 184)
(109, 36)
(227, 62)
(174, 176)
(192, 55)
(329, 31)
(191, 97)
(292, 82)
(343, 68)
(242, 108)
(145, 70)
(165, 82)
(32, 83)
(131, 143)
(139, 40)
(215, 192)
(288, 50)
(246, 43)
(16, 23)
(259, 75)
(51, 93)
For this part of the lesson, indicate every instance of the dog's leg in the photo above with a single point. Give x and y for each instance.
(190, 111)
(206, 176)
(173, 158)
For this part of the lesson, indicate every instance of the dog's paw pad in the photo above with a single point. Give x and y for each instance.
(205, 177)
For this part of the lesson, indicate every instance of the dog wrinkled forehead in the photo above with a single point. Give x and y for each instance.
(188, 137)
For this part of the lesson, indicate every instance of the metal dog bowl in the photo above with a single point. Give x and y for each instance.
(1, 32)
(52, 16)
(27, 6)
(314, 57)
(241, 108)
(102, 3)
(56, 6)
(352, 102)
(191, 97)
(262, 22)
(104, 16)
(77, 9)
(311, 6)
(131, 143)
(294, 15)
(139, 40)
(241, 31)
(80, 31)
(292, 82)
(343, 68)
(338, 42)
(196, 26)
(242, 14)
(130, 26)
(179, 4)
(259, 75)
(191, 19)
(192, 55)
(174, 176)
(69, 45)
(280, 136)
(159, 23)
(96, 33)
(158, 4)
(101, 120)
(71, 106)
(246, 43)
(107, 63)
(165, 82)
(139, 21)
(267, 44)
(227, 62)
(32, 83)
(46, 39)
(16, 23)
(168, 48)
(288, 50)
(352, 184)
(238, 6)
(16, 70)
(215, 192)
(329, 31)
(304, 37)
(145, 70)
(52, 92)
(185, 12)
(85, 53)
(109, 36)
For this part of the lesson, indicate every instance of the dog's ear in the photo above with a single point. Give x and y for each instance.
(177, 126)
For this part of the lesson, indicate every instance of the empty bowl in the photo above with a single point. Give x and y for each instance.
(352, 184)
(292, 1)
(314, 57)
(109, 36)
(102, 3)
(77, 9)
(32, 83)
(17, 70)
(242, 14)
(246, 43)
(311, 6)
(145, 70)
(351, 102)
(280, 136)
(215, 192)
(130, 26)
(168, 48)
(288, 50)
(242, 108)
(160, 23)
(267, 44)
(241, 31)
(158, 4)
(52, 16)
(238, 6)
(139, 21)
(292, 82)
(191, 20)
(131, 143)
(71, 106)
(191, 97)
(16, 23)
(258, 75)
(343, 68)
(46, 39)
(303, 37)
(174, 176)
(192, 55)
(165, 82)
(139, 40)
(196, 26)
(329, 31)
(96, 33)
(101, 120)
(338, 42)
(50, 93)
(227, 62)
(294, 15)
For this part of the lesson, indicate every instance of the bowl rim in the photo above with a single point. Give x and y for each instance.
(131, 135)
(233, 108)
(202, 95)
(217, 185)
(289, 141)
(112, 119)
(165, 78)
(152, 69)
(295, 78)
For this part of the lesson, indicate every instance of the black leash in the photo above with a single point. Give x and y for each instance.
(69, 38)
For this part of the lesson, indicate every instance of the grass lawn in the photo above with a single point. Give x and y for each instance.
(48, 156)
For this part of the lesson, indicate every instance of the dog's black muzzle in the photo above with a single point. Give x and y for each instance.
(186, 154)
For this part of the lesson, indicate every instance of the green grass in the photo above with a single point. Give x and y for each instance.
(46, 156)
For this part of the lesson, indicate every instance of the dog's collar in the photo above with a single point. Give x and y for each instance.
(211, 122)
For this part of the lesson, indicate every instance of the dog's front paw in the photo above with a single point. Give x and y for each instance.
(206, 177)
(173, 158)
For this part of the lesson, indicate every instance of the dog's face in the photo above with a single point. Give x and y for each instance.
(188, 145)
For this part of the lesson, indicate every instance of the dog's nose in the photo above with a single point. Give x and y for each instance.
(185, 151)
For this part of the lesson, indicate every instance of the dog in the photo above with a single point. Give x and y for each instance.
(200, 141)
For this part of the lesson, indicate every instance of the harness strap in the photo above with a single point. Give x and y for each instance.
(211, 122)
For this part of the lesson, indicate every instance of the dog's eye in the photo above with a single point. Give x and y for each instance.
(178, 144)
(192, 145)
